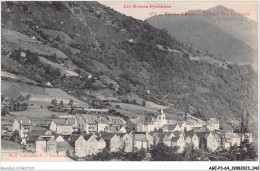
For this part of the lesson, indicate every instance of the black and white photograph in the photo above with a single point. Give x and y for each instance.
(127, 81)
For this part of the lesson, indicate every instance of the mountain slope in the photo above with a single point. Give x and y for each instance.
(233, 38)
(124, 55)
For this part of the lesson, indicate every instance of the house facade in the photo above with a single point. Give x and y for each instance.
(46, 145)
(63, 126)
(101, 144)
(172, 128)
(145, 126)
(213, 141)
(86, 145)
(127, 142)
(140, 142)
(178, 141)
(164, 137)
(113, 142)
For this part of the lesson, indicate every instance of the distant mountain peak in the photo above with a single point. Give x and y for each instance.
(216, 9)
(220, 8)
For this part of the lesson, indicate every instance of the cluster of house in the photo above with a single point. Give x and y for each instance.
(86, 134)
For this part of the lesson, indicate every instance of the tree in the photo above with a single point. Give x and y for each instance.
(244, 122)
(54, 102)
(161, 152)
(71, 106)
(188, 153)
(4, 110)
(61, 105)
(58, 38)
(111, 111)
(28, 97)
(137, 156)
(103, 156)
(11, 103)
(19, 102)
(143, 103)
(16, 137)
(186, 115)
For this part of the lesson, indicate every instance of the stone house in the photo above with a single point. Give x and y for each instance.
(46, 145)
(30, 140)
(51, 145)
(213, 141)
(63, 147)
(84, 145)
(200, 129)
(127, 142)
(113, 142)
(63, 126)
(242, 136)
(87, 123)
(122, 129)
(22, 125)
(171, 128)
(146, 125)
(178, 141)
(182, 125)
(31, 143)
(101, 123)
(195, 141)
(249, 137)
(191, 124)
(233, 138)
(140, 142)
(164, 137)
(116, 121)
(92, 144)
(132, 122)
(188, 140)
(101, 144)
(40, 146)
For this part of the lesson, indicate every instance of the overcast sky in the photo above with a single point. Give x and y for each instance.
(178, 7)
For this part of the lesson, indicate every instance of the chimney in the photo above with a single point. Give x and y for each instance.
(21, 122)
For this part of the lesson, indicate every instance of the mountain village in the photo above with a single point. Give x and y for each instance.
(88, 134)
(82, 80)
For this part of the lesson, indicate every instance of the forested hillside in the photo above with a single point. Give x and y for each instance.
(230, 37)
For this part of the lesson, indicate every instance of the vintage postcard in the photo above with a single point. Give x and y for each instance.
(129, 81)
